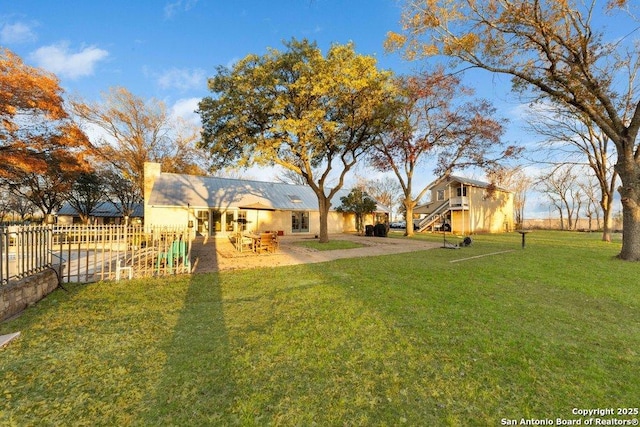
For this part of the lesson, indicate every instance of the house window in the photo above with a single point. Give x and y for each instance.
(440, 195)
(299, 222)
(242, 220)
(461, 192)
(229, 221)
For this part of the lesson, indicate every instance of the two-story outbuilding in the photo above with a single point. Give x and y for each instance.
(465, 206)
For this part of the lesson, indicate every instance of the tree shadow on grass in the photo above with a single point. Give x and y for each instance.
(196, 383)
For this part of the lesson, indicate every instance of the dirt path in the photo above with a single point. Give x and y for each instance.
(211, 254)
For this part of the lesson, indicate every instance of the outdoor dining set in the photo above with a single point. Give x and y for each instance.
(266, 242)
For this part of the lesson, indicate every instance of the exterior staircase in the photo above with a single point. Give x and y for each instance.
(434, 216)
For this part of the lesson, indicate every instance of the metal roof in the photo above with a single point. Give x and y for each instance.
(465, 181)
(104, 209)
(171, 189)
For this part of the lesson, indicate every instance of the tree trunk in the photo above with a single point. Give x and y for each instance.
(569, 216)
(631, 232)
(324, 204)
(629, 172)
(607, 209)
(409, 205)
(630, 192)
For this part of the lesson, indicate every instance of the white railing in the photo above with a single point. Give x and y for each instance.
(459, 202)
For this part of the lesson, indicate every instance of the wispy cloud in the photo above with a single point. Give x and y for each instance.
(60, 60)
(186, 110)
(233, 61)
(182, 79)
(171, 9)
(18, 32)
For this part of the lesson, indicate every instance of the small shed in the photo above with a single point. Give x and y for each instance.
(103, 213)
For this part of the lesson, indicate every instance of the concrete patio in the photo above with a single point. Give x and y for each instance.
(216, 254)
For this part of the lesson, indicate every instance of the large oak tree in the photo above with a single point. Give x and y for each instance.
(554, 49)
(310, 113)
(86, 193)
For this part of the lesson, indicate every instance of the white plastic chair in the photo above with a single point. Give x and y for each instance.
(123, 268)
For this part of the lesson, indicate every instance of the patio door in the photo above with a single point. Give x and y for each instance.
(211, 222)
(216, 220)
(299, 222)
(202, 219)
(223, 221)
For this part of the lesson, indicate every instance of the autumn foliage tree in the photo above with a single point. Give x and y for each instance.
(551, 49)
(36, 132)
(134, 130)
(436, 123)
(46, 189)
(313, 114)
(386, 190)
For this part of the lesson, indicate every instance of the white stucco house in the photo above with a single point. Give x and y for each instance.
(222, 206)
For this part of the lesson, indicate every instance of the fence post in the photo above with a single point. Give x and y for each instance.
(4, 265)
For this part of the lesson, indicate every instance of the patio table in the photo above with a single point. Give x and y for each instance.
(255, 238)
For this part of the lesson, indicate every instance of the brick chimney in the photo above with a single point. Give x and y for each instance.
(151, 173)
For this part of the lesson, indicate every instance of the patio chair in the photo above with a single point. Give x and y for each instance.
(266, 243)
(243, 242)
(122, 267)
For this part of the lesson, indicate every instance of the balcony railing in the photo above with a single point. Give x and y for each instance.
(459, 202)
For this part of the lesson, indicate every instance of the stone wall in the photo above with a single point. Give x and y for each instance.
(17, 296)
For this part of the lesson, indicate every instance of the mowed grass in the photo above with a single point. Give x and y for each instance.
(411, 339)
(329, 246)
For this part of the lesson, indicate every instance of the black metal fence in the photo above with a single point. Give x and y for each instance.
(24, 251)
(83, 253)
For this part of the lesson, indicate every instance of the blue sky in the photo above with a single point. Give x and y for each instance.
(166, 49)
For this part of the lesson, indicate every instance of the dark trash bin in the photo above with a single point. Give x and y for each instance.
(380, 230)
(368, 230)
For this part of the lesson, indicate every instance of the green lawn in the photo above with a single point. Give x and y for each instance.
(330, 246)
(409, 339)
